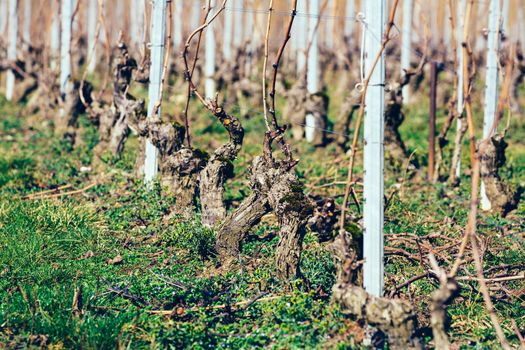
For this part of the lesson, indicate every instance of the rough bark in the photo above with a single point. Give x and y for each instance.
(47, 95)
(31, 76)
(324, 219)
(114, 120)
(295, 110)
(247, 96)
(24, 88)
(73, 105)
(66, 122)
(142, 72)
(183, 168)
(456, 154)
(238, 224)
(518, 80)
(442, 138)
(218, 169)
(277, 179)
(394, 317)
(503, 198)
(342, 126)
(394, 117)
(275, 187)
(317, 105)
(179, 166)
(447, 291)
(26, 71)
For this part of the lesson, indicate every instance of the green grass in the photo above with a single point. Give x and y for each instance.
(51, 248)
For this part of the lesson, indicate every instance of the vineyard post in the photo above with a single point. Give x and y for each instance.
(479, 40)
(249, 30)
(65, 45)
(195, 14)
(209, 60)
(491, 82)
(27, 21)
(177, 26)
(158, 42)
(237, 23)
(3, 16)
(313, 66)
(406, 46)
(462, 4)
(505, 26)
(301, 36)
(75, 17)
(433, 19)
(432, 121)
(373, 268)
(330, 25)
(11, 50)
(447, 30)
(54, 44)
(227, 36)
(91, 33)
(349, 21)
(521, 24)
(137, 21)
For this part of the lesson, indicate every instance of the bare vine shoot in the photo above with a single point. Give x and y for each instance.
(262, 174)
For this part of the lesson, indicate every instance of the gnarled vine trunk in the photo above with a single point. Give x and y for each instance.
(276, 188)
(218, 169)
(179, 165)
(317, 106)
(238, 224)
(114, 120)
(66, 123)
(393, 317)
(502, 197)
(350, 105)
(295, 110)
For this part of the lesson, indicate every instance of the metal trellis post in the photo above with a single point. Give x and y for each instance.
(158, 41)
(373, 268)
(491, 84)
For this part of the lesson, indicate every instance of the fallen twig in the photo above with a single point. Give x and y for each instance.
(69, 193)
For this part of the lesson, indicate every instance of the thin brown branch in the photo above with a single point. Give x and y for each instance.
(106, 46)
(265, 64)
(192, 89)
(277, 62)
(167, 55)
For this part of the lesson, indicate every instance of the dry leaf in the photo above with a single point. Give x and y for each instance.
(116, 260)
(88, 254)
